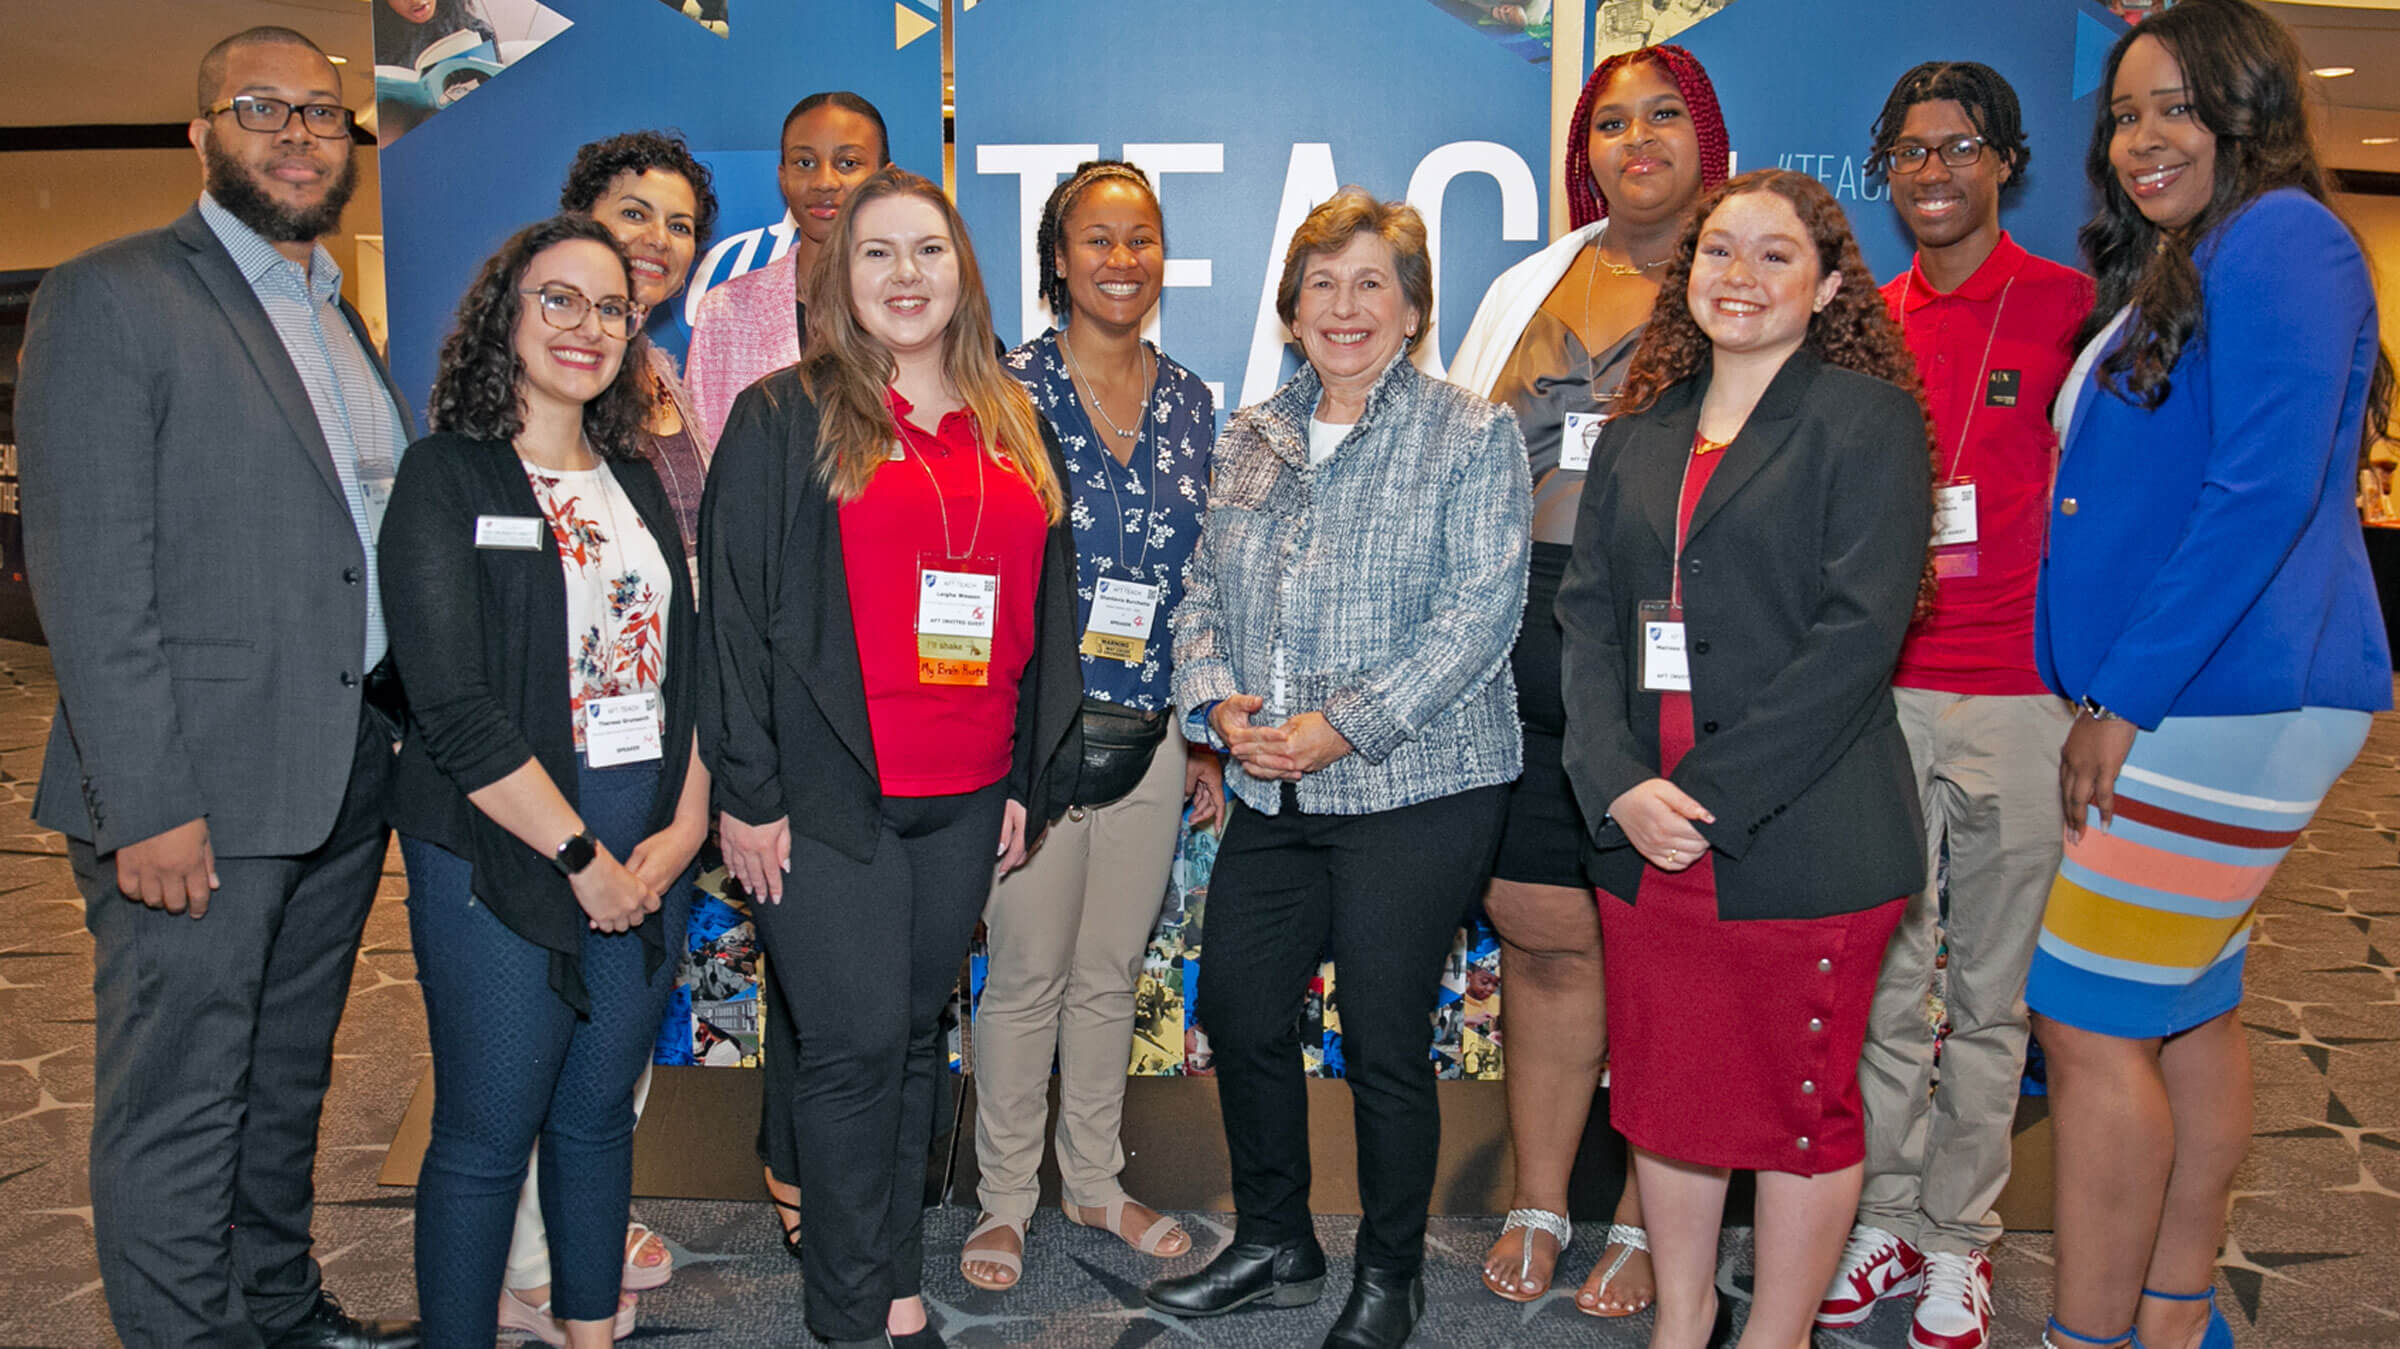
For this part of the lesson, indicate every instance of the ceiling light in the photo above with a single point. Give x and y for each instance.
(2333, 72)
(2381, 140)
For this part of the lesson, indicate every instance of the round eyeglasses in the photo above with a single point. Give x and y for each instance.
(327, 121)
(563, 307)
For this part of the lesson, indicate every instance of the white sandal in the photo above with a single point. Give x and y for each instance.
(1153, 1240)
(1012, 1261)
(1630, 1239)
(1538, 1220)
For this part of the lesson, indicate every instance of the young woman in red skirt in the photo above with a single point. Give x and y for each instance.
(1750, 548)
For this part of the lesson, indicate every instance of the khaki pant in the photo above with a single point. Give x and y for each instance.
(1987, 773)
(1066, 935)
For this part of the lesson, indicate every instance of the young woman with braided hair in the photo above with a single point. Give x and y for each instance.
(1067, 931)
(1551, 341)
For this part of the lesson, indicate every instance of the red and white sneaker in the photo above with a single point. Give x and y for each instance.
(1955, 1310)
(1875, 1265)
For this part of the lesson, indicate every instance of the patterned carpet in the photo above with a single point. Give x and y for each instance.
(2314, 1259)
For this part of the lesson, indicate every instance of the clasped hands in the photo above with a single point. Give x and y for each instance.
(1657, 817)
(1285, 753)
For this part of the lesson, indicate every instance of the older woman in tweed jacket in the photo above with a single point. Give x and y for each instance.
(1344, 636)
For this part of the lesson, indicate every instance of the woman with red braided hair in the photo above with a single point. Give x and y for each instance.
(1552, 340)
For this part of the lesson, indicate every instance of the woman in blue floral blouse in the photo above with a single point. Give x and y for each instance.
(1068, 929)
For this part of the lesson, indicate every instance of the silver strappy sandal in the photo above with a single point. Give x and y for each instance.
(1538, 1220)
(1629, 1239)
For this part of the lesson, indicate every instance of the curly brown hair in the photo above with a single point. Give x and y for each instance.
(475, 392)
(1853, 331)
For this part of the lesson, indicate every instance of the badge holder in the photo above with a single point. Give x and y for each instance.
(1124, 614)
(958, 601)
(621, 730)
(1665, 665)
(1955, 529)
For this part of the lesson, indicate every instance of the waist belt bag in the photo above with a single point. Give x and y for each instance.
(1118, 744)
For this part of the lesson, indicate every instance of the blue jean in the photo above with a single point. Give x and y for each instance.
(513, 1063)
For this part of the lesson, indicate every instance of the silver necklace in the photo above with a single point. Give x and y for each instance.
(1092, 391)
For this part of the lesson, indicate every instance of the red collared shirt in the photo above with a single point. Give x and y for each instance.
(1993, 354)
(940, 739)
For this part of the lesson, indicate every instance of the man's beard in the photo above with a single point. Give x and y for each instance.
(231, 183)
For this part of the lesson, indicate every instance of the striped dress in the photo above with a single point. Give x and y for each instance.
(2149, 918)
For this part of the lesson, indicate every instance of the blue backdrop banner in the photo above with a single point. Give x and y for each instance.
(1247, 113)
(1802, 81)
(458, 184)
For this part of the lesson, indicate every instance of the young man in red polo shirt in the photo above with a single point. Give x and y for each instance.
(1990, 326)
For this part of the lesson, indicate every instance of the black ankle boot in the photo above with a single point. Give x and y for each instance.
(1382, 1312)
(1282, 1274)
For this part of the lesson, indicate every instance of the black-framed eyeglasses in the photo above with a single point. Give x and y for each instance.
(329, 121)
(563, 307)
(1957, 152)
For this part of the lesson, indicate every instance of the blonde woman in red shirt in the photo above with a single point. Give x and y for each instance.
(890, 632)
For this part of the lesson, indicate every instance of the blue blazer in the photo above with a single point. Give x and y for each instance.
(2205, 556)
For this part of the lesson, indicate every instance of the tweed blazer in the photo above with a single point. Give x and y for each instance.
(1391, 576)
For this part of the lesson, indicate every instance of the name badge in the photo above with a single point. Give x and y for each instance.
(621, 730)
(1954, 514)
(509, 531)
(377, 492)
(1955, 530)
(1577, 440)
(958, 603)
(1123, 615)
(1666, 666)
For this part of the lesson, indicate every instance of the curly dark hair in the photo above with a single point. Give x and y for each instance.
(1989, 100)
(476, 393)
(637, 152)
(1683, 70)
(1047, 238)
(2243, 73)
(1854, 330)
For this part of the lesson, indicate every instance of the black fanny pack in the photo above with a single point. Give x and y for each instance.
(1118, 744)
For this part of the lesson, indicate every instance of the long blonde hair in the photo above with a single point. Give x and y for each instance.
(846, 370)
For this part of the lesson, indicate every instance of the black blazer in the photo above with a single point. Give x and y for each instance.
(480, 637)
(1799, 576)
(784, 709)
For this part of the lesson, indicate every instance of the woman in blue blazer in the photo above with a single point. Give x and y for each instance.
(2206, 600)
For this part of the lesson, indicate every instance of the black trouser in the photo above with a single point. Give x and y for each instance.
(1383, 894)
(866, 954)
(214, 1045)
(779, 1048)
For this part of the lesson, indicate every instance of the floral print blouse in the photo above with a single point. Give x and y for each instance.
(618, 586)
(1136, 521)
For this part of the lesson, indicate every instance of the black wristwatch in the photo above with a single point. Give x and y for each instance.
(575, 854)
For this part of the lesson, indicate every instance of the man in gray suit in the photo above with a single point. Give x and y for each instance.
(206, 438)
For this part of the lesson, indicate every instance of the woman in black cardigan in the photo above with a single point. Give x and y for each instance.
(1751, 542)
(550, 796)
(891, 625)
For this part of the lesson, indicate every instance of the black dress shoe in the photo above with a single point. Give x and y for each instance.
(1286, 1274)
(1382, 1311)
(327, 1326)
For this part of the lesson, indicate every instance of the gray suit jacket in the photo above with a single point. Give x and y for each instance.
(191, 553)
